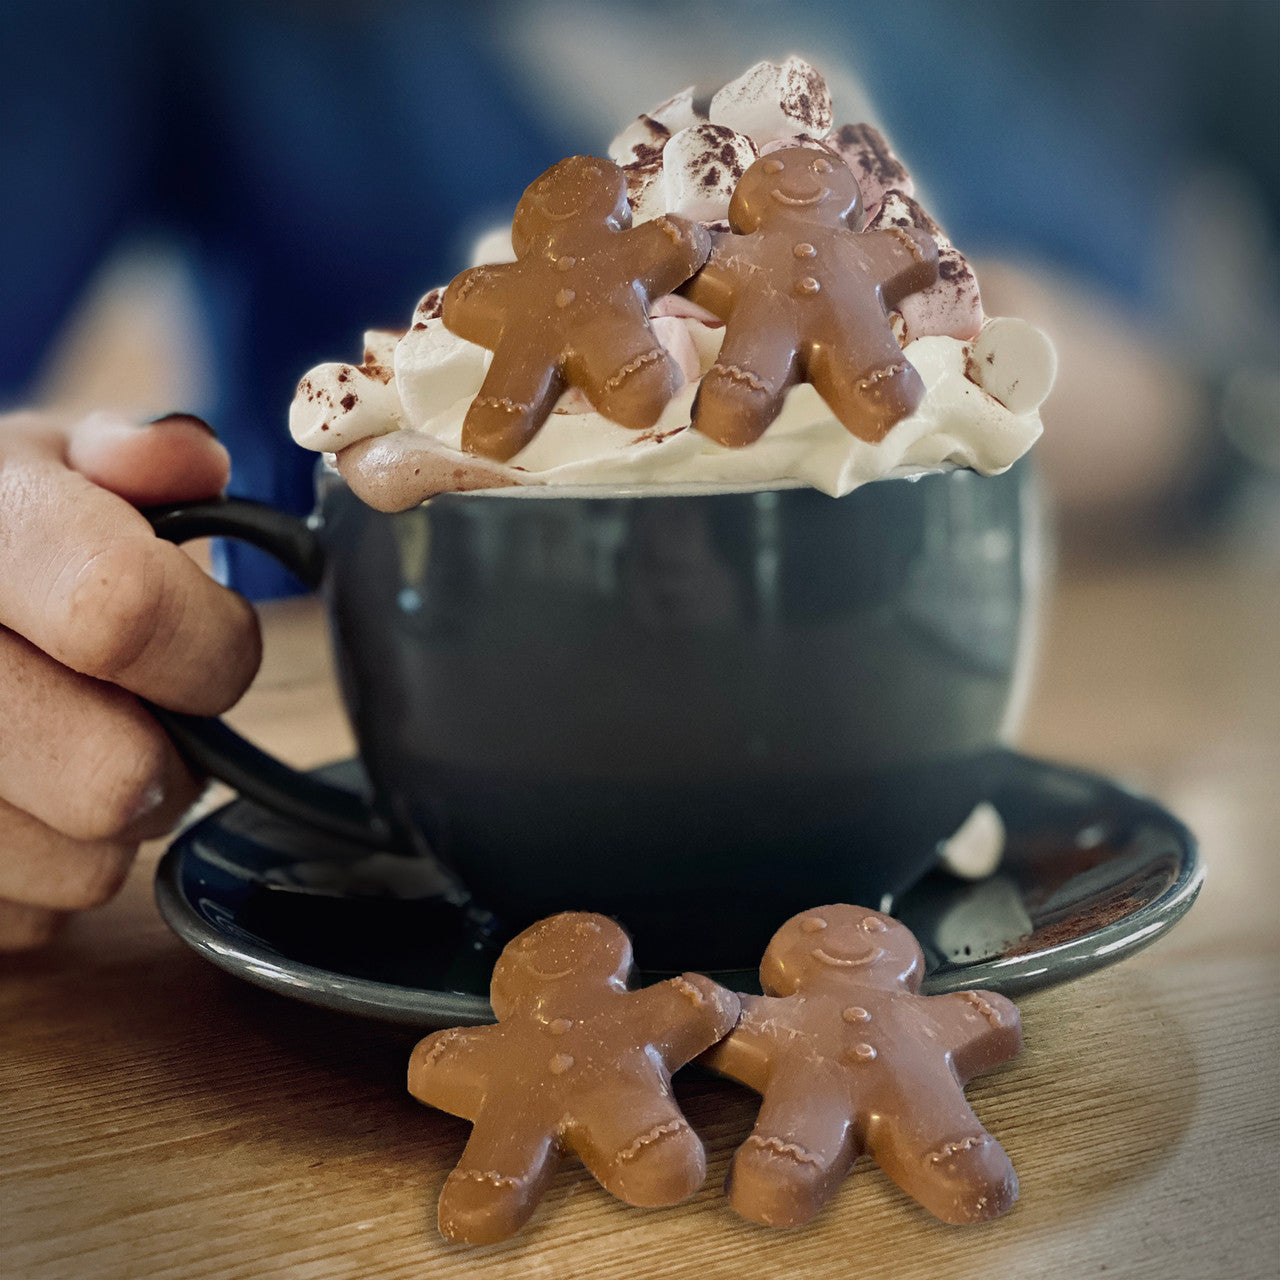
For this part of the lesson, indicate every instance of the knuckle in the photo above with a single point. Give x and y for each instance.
(113, 609)
(124, 778)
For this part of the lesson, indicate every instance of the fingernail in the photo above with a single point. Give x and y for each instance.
(189, 418)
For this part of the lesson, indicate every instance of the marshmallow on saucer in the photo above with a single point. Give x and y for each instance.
(769, 101)
(950, 307)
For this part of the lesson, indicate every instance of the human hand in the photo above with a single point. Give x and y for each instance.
(95, 609)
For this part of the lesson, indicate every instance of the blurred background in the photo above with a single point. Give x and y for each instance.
(203, 200)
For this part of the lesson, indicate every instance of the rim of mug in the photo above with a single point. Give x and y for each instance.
(327, 473)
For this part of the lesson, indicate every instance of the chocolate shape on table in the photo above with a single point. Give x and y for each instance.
(849, 1057)
(805, 296)
(572, 310)
(575, 1062)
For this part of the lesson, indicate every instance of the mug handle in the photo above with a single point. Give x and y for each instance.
(213, 746)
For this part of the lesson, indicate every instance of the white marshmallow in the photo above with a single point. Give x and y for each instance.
(701, 167)
(380, 347)
(435, 369)
(1014, 362)
(645, 137)
(673, 333)
(975, 849)
(769, 101)
(951, 307)
(645, 190)
(864, 149)
(337, 404)
(493, 246)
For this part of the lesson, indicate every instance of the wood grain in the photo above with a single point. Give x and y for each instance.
(161, 1120)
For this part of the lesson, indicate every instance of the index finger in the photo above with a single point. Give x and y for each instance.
(84, 579)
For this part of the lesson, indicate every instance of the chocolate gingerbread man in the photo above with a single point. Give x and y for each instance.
(805, 295)
(849, 1057)
(572, 310)
(576, 1062)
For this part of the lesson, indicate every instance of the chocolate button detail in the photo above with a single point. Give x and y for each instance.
(561, 1063)
(558, 1026)
(863, 1052)
(804, 250)
(564, 297)
(855, 1013)
(808, 285)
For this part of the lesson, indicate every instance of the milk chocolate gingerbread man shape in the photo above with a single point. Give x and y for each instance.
(850, 1058)
(805, 296)
(576, 1062)
(573, 308)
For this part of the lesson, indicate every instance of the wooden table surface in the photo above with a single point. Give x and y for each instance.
(160, 1120)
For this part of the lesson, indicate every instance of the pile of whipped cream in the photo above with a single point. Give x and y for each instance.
(392, 424)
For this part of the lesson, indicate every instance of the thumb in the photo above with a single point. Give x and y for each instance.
(176, 458)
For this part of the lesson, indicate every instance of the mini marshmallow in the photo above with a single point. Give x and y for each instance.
(673, 333)
(951, 307)
(380, 350)
(645, 190)
(769, 101)
(977, 845)
(864, 149)
(337, 404)
(493, 246)
(430, 307)
(435, 369)
(701, 167)
(643, 140)
(1014, 362)
(900, 209)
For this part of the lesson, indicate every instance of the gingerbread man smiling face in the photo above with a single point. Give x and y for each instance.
(805, 296)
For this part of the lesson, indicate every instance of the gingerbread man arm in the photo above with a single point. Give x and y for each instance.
(981, 1028)
(746, 1054)
(716, 285)
(476, 302)
(665, 252)
(448, 1070)
(685, 1015)
(904, 259)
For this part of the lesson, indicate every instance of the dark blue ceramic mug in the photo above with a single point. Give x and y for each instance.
(699, 714)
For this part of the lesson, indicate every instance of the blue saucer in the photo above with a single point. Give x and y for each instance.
(1091, 872)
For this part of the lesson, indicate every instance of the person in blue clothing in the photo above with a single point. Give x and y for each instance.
(320, 164)
(317, 165)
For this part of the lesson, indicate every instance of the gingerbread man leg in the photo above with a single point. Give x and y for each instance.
(942, 1156)
(631, 379)
(503, 1174)
(641, 1149)
(513, 402)
(884, 392)
(800, 1150)
(742, 392)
